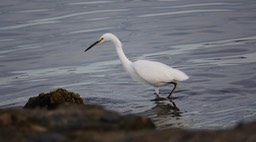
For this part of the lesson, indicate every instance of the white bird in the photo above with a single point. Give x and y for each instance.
(150, 72)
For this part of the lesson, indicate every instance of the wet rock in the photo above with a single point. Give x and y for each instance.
(65, 121)
(48, 137)
(83, 122)
(53, 99)
(72, 117)
(6, 119)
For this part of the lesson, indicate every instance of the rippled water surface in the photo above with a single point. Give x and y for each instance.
(42, 44)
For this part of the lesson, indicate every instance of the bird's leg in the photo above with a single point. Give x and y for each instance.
(175, 106)
(175, 86)
(158, 98)
(157, 92)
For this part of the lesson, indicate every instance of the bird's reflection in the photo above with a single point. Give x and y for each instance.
(165, 106)
(166, 113)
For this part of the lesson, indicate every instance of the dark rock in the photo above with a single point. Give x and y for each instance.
(69, 117)
(48, 137)
(6, 119)
(81, 123)
(132, 122)
(53, 99)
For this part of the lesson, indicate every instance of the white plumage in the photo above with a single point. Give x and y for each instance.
(150, 72)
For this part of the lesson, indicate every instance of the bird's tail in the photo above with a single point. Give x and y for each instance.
(180, 76)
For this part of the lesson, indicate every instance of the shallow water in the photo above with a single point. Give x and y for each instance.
(42, 44)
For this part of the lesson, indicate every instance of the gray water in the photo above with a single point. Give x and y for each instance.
(42, 44)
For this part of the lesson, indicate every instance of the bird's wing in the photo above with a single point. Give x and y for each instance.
(156, 73)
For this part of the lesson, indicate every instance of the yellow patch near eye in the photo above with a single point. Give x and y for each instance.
(101, 40)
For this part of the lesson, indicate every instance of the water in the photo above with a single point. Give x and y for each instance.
(42, 44)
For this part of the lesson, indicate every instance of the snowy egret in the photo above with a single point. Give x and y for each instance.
(150, 72)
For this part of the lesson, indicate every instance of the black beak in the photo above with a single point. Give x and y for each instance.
(92, 45)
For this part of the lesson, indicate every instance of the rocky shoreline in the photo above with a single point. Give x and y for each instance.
(63, 116)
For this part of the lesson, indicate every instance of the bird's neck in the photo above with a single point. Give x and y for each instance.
(124, 60)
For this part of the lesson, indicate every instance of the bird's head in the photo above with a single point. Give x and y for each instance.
(103, 38)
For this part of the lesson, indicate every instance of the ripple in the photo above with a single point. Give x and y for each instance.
(90, 2)
(91, 30)
(79, 14)
(234, 41)
(6, 39)
(98, 19)
(223, 61)
(229, 110)
(184, 12)
(226, 115)
(27, 25)
(13, 102)
(74, 84)
(33, 10)
(228, 42)
(21, 48)
(195, 5)
(227, 60)
(54, 20)
(167, 0)
(58, 71)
